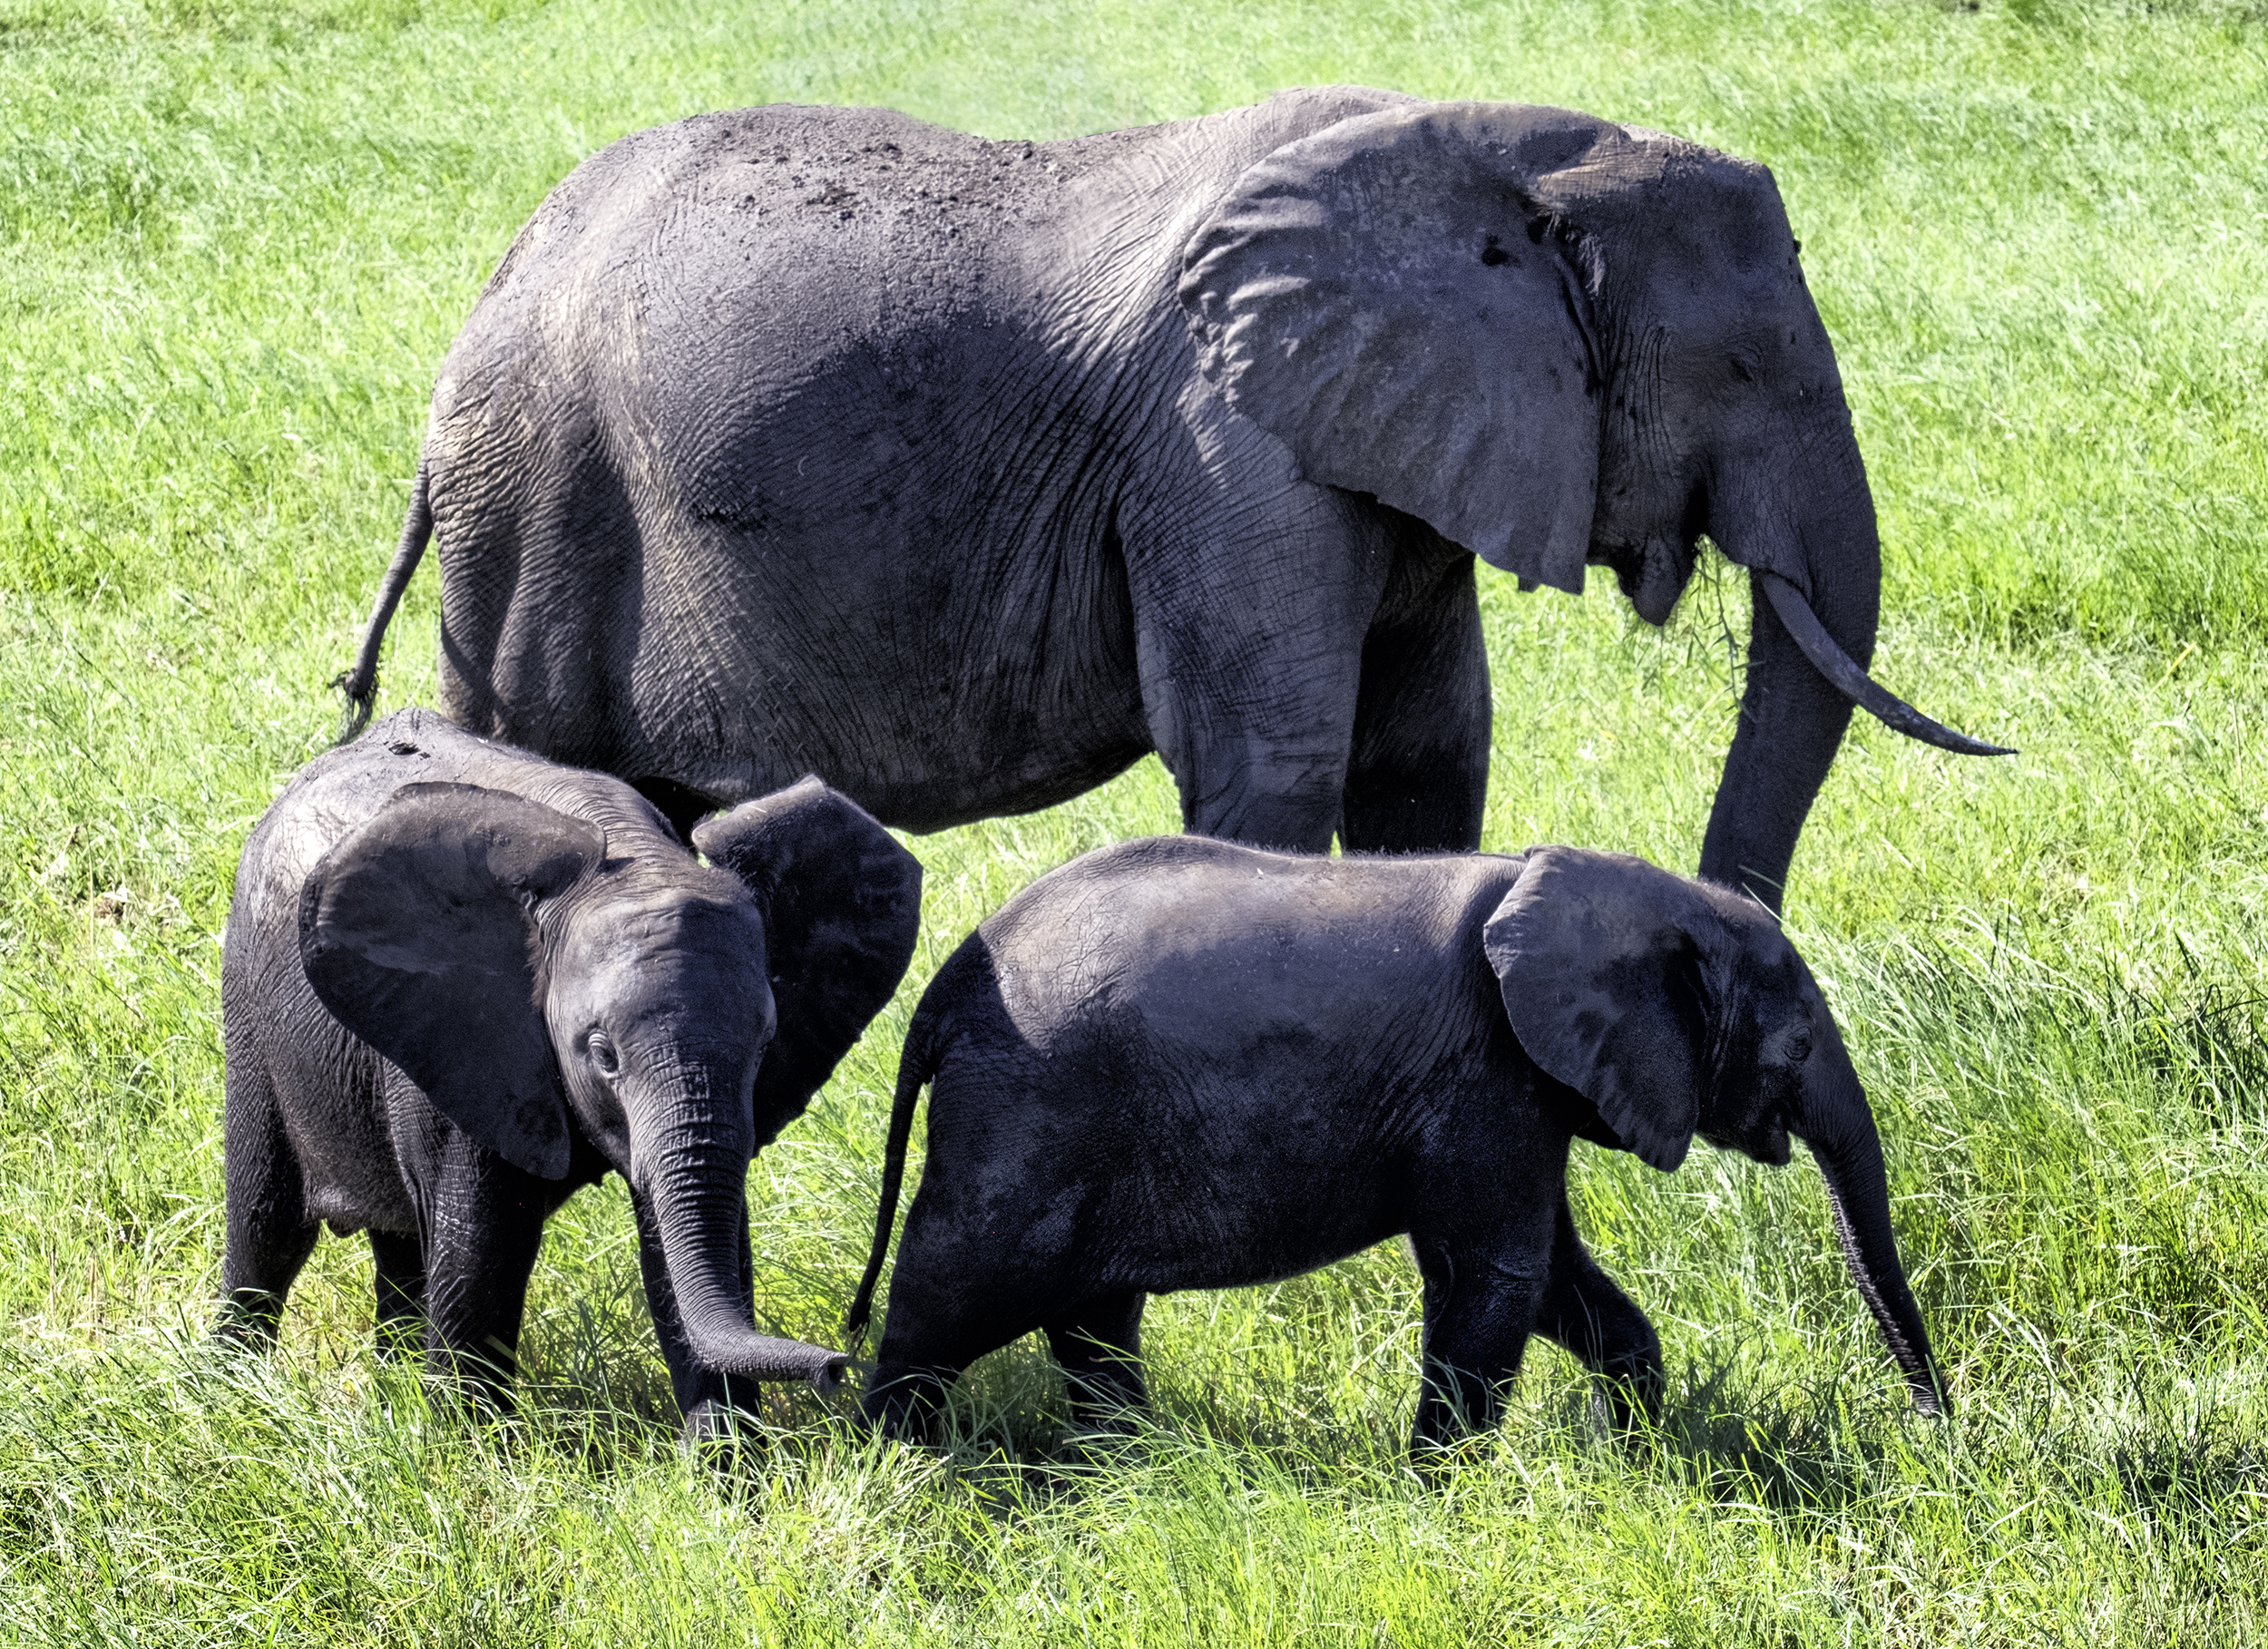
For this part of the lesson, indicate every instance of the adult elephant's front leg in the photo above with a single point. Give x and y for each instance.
(1418, 774)
(1250, 650)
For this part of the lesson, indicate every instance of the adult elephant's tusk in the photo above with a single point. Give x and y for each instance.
(1837, 666)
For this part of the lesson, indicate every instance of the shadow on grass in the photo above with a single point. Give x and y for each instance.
(593, 1400)
(1819, 1450)
(595, 1403)
(1808, 1451)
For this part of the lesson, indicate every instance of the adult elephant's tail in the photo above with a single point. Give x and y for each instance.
(360, 684)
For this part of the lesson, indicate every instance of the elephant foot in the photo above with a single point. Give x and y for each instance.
(1630, 1400)
(726, 1439)
(1113, 1444)
(1435, 1460)
(907, 1405)
(248, 1319)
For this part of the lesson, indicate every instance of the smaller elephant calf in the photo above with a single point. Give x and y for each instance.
(1177, 1063)
(460, 981)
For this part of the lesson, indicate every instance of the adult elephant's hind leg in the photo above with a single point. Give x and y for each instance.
(1418, 775)
(1587, 1312)
(1099, 1349)
(540, 567)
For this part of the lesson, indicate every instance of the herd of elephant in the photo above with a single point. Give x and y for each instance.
(807, 471)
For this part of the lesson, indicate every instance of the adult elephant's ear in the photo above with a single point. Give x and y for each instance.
(417, 932)
(1603, 981)
(842, 905)
(1401, 298)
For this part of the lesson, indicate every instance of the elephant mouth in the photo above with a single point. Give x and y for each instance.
(1653, 574)
(1768, 1142)
(1654, 569)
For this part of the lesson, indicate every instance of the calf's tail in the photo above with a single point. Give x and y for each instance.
(916, 1064)
(360, 684)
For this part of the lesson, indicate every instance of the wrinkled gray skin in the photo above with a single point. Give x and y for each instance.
(1176, 1064)
(460, 982)
(964, 473)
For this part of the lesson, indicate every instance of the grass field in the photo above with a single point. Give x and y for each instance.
(234, 243)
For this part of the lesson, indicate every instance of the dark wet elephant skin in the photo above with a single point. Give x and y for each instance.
(1177, 1064)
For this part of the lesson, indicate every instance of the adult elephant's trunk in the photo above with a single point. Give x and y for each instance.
(1809, 646)
(695, 1170)
(1791, 724)
(1840, 1130)
(1792, 719)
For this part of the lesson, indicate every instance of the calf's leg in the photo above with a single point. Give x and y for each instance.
(1587, 1312)
(485, 1220)
(1482, 1287)
(400, 1262)
(271, 1232)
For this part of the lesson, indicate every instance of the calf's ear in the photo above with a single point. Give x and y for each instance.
(842, 906)
(1604, 985)
(417, 931)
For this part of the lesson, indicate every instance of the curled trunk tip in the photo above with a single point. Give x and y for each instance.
(701, 1218)
(826, 1375)
(739, 1350)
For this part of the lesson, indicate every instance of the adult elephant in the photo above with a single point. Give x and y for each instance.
(962, 472)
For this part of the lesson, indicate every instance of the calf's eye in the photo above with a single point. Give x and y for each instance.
(1799, 1046)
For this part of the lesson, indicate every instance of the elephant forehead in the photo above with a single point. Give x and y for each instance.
(696, 925)
(1766, 988)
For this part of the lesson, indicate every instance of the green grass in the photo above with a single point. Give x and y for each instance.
(234, 243)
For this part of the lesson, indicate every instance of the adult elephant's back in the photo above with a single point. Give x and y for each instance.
(794, 440)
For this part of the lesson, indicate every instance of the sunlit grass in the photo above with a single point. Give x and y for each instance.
(234, 242)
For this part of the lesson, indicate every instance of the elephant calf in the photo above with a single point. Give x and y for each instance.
(1178, 1063)
(460, 981)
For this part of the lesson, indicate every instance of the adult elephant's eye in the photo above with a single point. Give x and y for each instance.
(600, 1047)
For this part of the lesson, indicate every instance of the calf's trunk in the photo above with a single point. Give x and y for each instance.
(1840, 1130)
(696, 1173)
